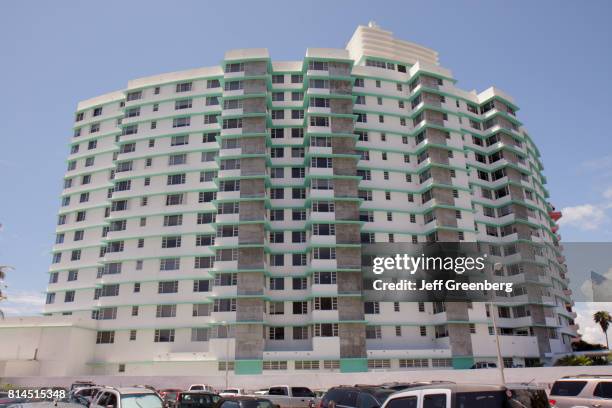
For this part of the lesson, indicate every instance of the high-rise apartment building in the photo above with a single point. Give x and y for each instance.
(213, 218)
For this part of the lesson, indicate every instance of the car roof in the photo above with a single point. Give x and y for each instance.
(131, 390)
(245, 398)
(586, 377)
(457, 387)
(361, 387)
(199, 392)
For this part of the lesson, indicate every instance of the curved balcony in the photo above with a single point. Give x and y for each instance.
(228, 195)
(226, 242)
(322, 240)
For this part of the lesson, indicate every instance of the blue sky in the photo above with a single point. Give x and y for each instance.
(554, 57)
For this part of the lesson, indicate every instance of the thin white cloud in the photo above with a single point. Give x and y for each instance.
(23, 303)
(585, 216)
(599, 163)
(591, 332)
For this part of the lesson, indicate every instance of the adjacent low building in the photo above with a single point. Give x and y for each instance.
(213, 218)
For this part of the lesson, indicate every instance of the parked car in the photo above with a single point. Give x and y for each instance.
(132, 397)
(196, 399)
(451, 395)
(169, 396)
(398, 386)
(5, 400)
(81, 384)
(582, 390)
(286, 396)
(86, 392)
(70, 401)
(362, 396)
(201, 387)
(245, 402)
(232, 392)
(483, 364)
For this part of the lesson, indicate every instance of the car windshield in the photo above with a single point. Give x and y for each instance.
(197, 399)
(302, 392)
(382, 395)
(171, 395)
(141, 401)
(529, 398)
(230, 391)
(522, 398)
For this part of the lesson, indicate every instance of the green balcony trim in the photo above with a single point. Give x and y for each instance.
(177, 97)
(93, 136)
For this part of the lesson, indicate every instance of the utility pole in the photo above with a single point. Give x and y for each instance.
(500, 360)
(494, 311)
(227, 340)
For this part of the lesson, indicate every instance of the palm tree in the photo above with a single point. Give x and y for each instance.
(3, 270)
(603, 319)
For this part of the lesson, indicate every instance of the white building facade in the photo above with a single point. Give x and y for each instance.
(213, 218)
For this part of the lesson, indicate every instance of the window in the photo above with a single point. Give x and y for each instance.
(325, 330)
(435, 400)
(174, 199)
(105, 337)
(224, 305)
(174, 179)
(232, 123)
(202, 285)
(203, 262)
(166, 311)
(177, 159)
(73, 275)
(319, 121)
(205, 218)
(276, 308)
(200, 334)
(167, 287)
(169, 264)
(171, 242)
(277, 283)
(202, 309)
(603, 390)
(210, 119)
(205, 240)
(132, 96)
(325, 303)
(277, 133)
(371, 307)
(181, 122)
(69, 296)
(212, 83)
(183, 87)
(164, 336)
(173, 220)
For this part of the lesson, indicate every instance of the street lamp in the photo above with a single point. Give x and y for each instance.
(224, 323)
(500, 361)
